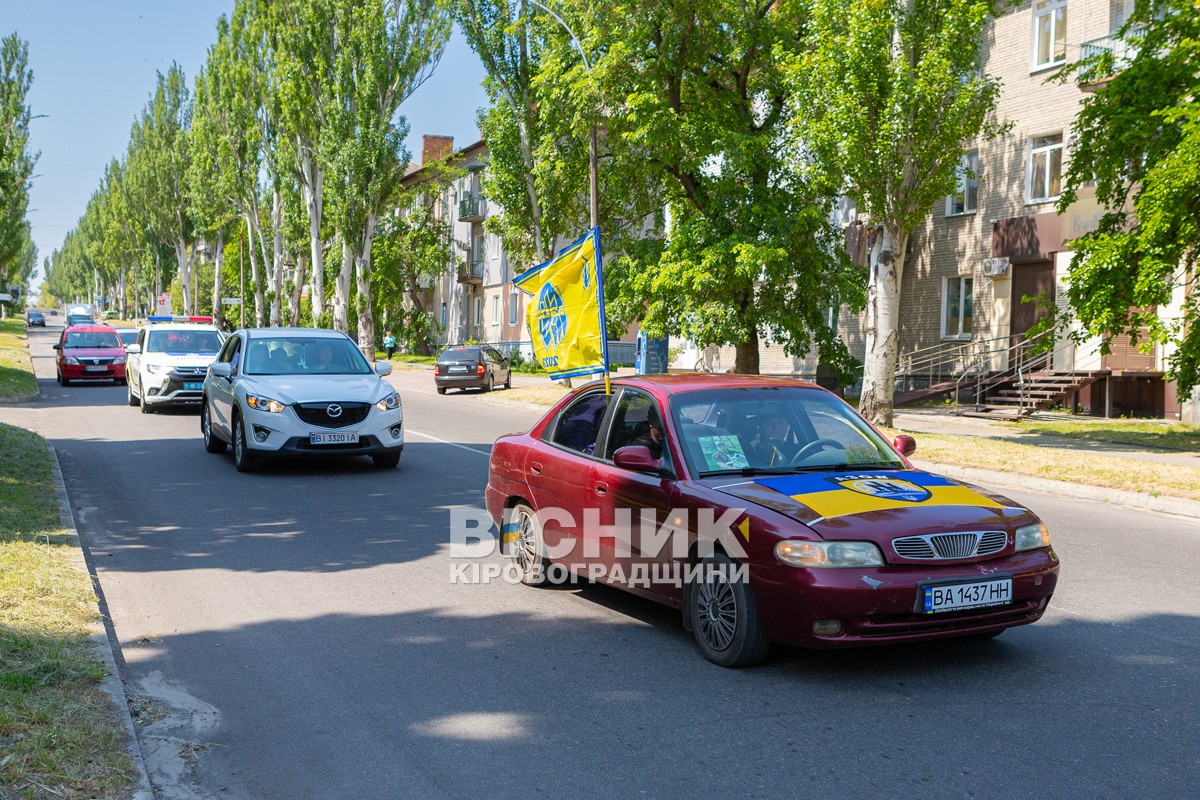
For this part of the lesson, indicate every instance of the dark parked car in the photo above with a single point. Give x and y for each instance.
(35, 318)
(127, 335)
(471, 367)
(80, 319)
(766, 510)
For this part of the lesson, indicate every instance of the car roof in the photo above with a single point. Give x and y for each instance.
(674, 383)
(95, 328)
(263, 333)
(180, 326)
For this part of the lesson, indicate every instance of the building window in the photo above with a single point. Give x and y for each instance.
(1045, 167)
(478, 310)
(1049, 33)
(513, 308)
(957, 307)
(965, 199)
(495, 309)
(443, 316)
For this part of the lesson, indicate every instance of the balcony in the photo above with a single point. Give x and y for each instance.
(1121, 52)
(470, 272)
(472, 208)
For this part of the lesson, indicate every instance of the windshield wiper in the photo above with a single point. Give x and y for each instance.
(749, 472)
(842, 466)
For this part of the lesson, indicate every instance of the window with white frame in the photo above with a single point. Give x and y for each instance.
(478, 311)
(443, 315)
(1045, 167)
(965, 199)
(514, 307)
(1049, 33)
(957, 307)
(495, 309)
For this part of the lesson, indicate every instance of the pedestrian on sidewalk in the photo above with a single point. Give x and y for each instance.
(389, 344)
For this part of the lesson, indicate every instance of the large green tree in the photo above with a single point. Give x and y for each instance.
(695, 94)
(889, 94)
(17, 160)
(1138, 138)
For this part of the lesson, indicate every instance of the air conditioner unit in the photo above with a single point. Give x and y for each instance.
(995, 267)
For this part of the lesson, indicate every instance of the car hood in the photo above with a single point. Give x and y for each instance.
(879, 505)
(184, 360)
(93, 352)
(290, 389)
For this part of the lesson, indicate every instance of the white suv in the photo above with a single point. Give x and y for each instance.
(288, 392)
(168, 362)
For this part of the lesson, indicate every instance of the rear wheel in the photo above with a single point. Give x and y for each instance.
(521, 535)
(146, 407)
(724, 618)
(441, 389)
(489, 384)
(508, 381)
(386, 462)
(241, 453)
(129, 398)
(211, 443)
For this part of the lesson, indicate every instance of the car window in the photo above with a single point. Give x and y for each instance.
(774, 427)
(454, 354)
(305, 355)
(637, 421)
(183, 342)
(92, 339)
(127, 335)
(577, 426)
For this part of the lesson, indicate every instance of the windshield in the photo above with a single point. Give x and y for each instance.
(127, 335)
(778, 429)
(459, 354)
(183, 342)
(92, 339)
(305, 355)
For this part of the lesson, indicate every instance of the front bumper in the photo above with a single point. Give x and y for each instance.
(172, 388)
(80, 372)
(880, 605)
(284, 434)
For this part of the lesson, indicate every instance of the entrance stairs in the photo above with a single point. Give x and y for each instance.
(1022, 394)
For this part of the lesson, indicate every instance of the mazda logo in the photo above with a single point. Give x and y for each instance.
(333, 410)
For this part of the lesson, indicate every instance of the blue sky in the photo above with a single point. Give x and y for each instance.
(93, 67)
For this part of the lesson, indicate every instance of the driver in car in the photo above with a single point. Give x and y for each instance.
(771, 445)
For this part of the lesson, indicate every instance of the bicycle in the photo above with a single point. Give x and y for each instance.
(709, 360)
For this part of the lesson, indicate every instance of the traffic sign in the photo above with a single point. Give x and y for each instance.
(231, 301)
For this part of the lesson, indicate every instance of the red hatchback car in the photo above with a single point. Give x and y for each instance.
(89, 352)
(767, 510)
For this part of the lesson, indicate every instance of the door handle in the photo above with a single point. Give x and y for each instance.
(602, 489)
(535, 468)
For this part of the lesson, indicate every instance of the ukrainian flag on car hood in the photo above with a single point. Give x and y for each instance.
(566, 314)
(841, 494)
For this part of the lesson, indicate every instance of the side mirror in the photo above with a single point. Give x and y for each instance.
(906, 444)
(133, 349)
(637, 458)
(58, 347)
(383, 369)
(220, 369)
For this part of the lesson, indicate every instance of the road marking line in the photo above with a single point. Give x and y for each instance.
(452, 444)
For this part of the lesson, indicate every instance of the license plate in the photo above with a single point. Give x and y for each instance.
(333, 438)
(95, 369)
(192, 386)
(458, 369)
(964, 596)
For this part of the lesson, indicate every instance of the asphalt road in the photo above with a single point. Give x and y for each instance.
(298, 633)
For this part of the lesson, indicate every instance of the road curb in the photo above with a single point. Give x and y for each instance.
(103, 639)
(20, 399)
(1178, 506)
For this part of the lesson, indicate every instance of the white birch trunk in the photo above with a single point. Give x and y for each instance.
(185, 276)
(341, 289)
(312, 179)
(255, 284)
(277, 260)
(297, 289)
(219, 280)
(883, 330)
(366, 317)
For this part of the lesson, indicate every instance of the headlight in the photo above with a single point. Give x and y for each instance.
(155, 369)
(389, 403)
(70, 360)
(119, 360)
(828, 554)
(1031, 537)
(267, 404)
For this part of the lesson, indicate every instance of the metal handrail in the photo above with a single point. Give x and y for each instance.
(1020, 364)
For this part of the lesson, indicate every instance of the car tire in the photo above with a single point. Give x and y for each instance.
(488, 384)
(211, 443)
(119, 381)
(386, 462)
(146, 407)
(441, 389)
(724, 617)
(129, 396)
(508, 381)
(527, 550)
(61, 380)
(242, 459)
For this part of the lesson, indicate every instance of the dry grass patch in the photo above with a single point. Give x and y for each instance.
(1142, 433)
(59, 736)
(1058, 464)
(16, 370)
(546, 395)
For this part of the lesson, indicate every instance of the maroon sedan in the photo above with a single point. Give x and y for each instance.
(89, 352)
(767, 510)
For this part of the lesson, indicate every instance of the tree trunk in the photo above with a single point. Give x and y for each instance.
(277, 260)
(297, 289)
(341, 289)
(218, 310)
(883, 330)
(185, 282)
(254, 282)
(311, 181)
(366, 316)
(745, 361)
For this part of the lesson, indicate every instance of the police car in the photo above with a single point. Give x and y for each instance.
(169, 359)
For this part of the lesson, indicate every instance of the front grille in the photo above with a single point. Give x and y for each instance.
(318, 414)
(190, 372)
(95, 362)
(948, 546)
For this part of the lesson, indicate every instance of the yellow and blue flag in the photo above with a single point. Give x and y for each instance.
(566, 315)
